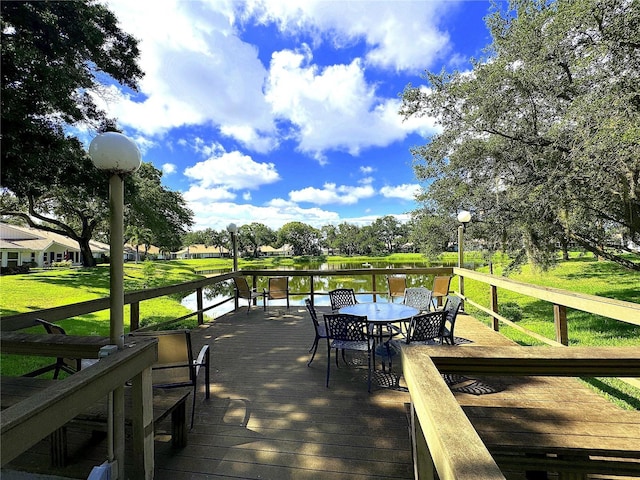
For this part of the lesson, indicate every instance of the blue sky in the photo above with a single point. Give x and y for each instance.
(276, 111)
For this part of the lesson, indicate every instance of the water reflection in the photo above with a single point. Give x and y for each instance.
(216, 293)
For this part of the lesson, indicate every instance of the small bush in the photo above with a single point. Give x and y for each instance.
(63, 264)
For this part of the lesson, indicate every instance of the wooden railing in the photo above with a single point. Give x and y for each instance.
(36, 417)
(446, 446)
(134, 299)
(560, 299)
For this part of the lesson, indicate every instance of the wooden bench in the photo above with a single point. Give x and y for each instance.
(165, 403)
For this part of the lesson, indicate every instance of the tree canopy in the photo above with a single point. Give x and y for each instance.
(541, 140)
(56, 56)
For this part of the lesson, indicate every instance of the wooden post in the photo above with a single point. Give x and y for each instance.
(494, 307)
(134, 316)
(143, 454)
(373, 286)
(560, 320)
(311, 291)
(200, 305)
(423, 467)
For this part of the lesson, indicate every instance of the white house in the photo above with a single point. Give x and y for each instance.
(20, 245)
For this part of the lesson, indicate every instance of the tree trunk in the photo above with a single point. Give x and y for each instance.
(85, 253)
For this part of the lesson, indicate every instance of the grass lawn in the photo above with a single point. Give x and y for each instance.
(579, 274)
(50, 288)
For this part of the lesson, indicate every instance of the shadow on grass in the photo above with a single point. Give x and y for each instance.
(613, 392)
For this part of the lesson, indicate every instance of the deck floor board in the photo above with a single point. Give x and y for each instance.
(271, 417)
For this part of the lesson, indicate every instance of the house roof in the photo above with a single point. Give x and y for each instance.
(14, 237)
(200, 248)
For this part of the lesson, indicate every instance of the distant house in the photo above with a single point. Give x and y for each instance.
(39, 248)
(284, 251)
(152, 250)
(200, 251)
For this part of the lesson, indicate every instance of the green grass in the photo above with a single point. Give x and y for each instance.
(579, 274)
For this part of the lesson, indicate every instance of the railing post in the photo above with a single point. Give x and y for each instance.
(560, 320)
(494, 307)
(134, 316)
(311, 291)
(373, 286)
(199, 305)
(255, 286)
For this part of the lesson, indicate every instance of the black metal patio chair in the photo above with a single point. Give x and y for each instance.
(342, 297)
(319, 328)
(349, 332)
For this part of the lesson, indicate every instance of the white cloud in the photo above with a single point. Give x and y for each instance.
(198, 195)
(232, 170)
(405, 191)
(274, 215)
(399, 35)
(344, 195)
(197, 71)
(334, 108)
(168, 168)
(366, 169)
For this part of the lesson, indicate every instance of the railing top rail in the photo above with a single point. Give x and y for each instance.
(519, 360)
(354, 271)
(619, 310)
(447, 430)
(39, 415)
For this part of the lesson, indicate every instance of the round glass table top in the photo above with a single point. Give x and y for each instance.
(381, 312)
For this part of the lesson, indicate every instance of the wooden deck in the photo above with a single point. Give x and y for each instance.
(271, 417)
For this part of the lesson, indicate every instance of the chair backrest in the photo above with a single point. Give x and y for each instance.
(342, 297)
(312, 312)
(440, 286)
(418, 297)
(450, 310)
(175, 364)
(242, 287)
(426, 326)
(345, 327)
(278, 287)
(69, 365)
(51, 328)
(396, 285)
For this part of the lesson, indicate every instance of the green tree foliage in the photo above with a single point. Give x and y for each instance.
(53, 54)
(254, 235)
(304, 239)
(541, 140)
(161, 211)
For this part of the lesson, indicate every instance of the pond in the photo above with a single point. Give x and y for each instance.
(217, 293)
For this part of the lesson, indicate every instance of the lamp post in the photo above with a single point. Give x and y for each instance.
(119, 156)
(232, 228)
(464, 217)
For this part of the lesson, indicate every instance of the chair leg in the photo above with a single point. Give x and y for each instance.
(193, 405)
(314, 347)
(369, 378)
(328, 362)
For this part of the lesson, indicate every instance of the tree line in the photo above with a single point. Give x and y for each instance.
(384, 236)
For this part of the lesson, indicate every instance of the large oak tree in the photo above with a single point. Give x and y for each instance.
(56, 56)
(541, 140)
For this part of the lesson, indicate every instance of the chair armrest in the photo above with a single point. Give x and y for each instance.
(203, 360)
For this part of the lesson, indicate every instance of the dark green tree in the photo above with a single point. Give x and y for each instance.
(541, 140)
(254, 235)
(304, 239)
(55, 55)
